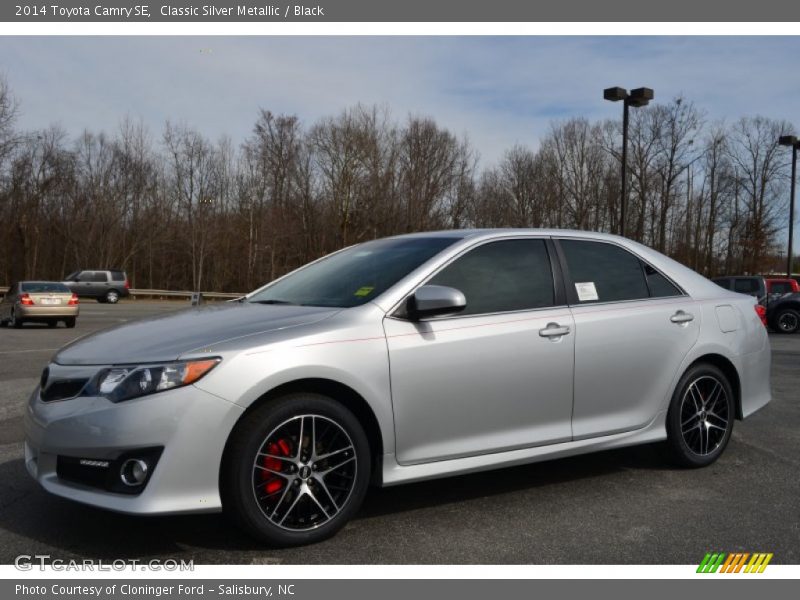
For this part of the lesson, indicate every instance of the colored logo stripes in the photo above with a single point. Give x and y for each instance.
(734, 562)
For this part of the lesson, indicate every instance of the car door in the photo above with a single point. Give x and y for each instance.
(633, 328)
(494, 377)
(98, 282)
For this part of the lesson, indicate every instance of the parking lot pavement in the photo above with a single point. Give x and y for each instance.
(621, 506)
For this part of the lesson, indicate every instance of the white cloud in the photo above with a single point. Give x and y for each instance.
(499, 91)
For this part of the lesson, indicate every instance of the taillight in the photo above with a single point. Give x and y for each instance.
(127, 285)
(762, 313)
(74, 300)
(26, 300)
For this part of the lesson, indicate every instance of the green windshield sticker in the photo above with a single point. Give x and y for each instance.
(364, 291)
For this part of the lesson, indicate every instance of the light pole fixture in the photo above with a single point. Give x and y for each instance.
(791, 140)
(636, 98)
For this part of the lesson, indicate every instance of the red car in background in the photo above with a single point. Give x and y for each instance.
(781, 285)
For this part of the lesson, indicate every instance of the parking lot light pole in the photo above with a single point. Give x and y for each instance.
(638, 97)
(791, 140)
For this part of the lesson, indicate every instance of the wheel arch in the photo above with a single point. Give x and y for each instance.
(729, 370)
(335, 390)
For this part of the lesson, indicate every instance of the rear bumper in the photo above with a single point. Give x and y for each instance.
(44, 312)
(755, 370)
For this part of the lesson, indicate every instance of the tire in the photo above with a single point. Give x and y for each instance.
(700, 417)
(70, 322)
(279, 498)
(112, 297)
(787, 320)
(52, 324)
(13, 321)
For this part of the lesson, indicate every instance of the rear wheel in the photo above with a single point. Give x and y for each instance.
(13, 321)
(787, 321)
(296, 470)
(112, 296)
(700, 417)
(70, 322)
(52, 324)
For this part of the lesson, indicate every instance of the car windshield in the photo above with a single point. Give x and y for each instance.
(353, 276)
(44, 287)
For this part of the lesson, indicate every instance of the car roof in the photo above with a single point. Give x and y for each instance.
(470, 233)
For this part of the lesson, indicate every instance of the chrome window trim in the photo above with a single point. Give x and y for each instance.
(392, 312)
(682, 294)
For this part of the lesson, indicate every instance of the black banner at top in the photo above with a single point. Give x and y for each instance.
(401, 11)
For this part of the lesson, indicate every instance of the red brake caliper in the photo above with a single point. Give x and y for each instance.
(274, 483)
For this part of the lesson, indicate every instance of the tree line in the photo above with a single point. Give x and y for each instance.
(180, 211)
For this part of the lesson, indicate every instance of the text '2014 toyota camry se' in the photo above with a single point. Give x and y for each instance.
(398, 360)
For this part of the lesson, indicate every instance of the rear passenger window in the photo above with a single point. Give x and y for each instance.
(604, 272)
(745, 286)
(501, 276)
(723, 282)
(117, 276)
(781, 287)
(96, 276)
(660, 286)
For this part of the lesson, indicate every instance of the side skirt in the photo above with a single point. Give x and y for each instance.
(394, 473)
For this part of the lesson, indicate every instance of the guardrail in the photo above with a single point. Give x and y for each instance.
(169, 294)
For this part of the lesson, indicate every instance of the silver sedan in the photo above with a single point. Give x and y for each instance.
(397, 360)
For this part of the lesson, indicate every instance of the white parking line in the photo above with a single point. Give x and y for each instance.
(37, 350)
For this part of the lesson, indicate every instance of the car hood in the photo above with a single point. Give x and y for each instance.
(167, 337)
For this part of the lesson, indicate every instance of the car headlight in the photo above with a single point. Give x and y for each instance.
(123, 383)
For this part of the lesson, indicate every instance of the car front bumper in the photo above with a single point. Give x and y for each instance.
(191, 425)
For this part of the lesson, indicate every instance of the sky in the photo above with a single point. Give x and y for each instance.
(498, 91)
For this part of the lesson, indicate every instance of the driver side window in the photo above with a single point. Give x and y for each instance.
(502, 276)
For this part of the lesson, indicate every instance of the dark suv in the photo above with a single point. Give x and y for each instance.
(105, 286)
(752, 285)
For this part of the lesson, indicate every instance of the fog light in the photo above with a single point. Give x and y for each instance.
(133, 472)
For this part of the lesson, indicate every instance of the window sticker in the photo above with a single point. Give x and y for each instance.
(586, 291)
(364, 291)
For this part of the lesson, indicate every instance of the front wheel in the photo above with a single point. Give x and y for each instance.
(700, 416)
(296, 470)
(787, 321)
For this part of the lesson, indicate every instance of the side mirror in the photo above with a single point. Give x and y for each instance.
(432, 300)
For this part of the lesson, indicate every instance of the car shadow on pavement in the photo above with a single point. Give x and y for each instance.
(38, 521)
(383, 501)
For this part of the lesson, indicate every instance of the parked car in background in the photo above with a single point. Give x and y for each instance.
(105, 286)
(783, 313)
(779, 286)
(779, 297)
(39, 302)
(506, 347)
(752, 285)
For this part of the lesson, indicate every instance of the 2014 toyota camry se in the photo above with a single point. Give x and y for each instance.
(397, 360)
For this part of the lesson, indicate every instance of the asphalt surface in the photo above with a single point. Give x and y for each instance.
(621, 506)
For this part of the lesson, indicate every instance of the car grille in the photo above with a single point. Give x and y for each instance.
(62, 389)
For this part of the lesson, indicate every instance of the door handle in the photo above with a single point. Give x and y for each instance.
(681, 317)
(554, 330)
